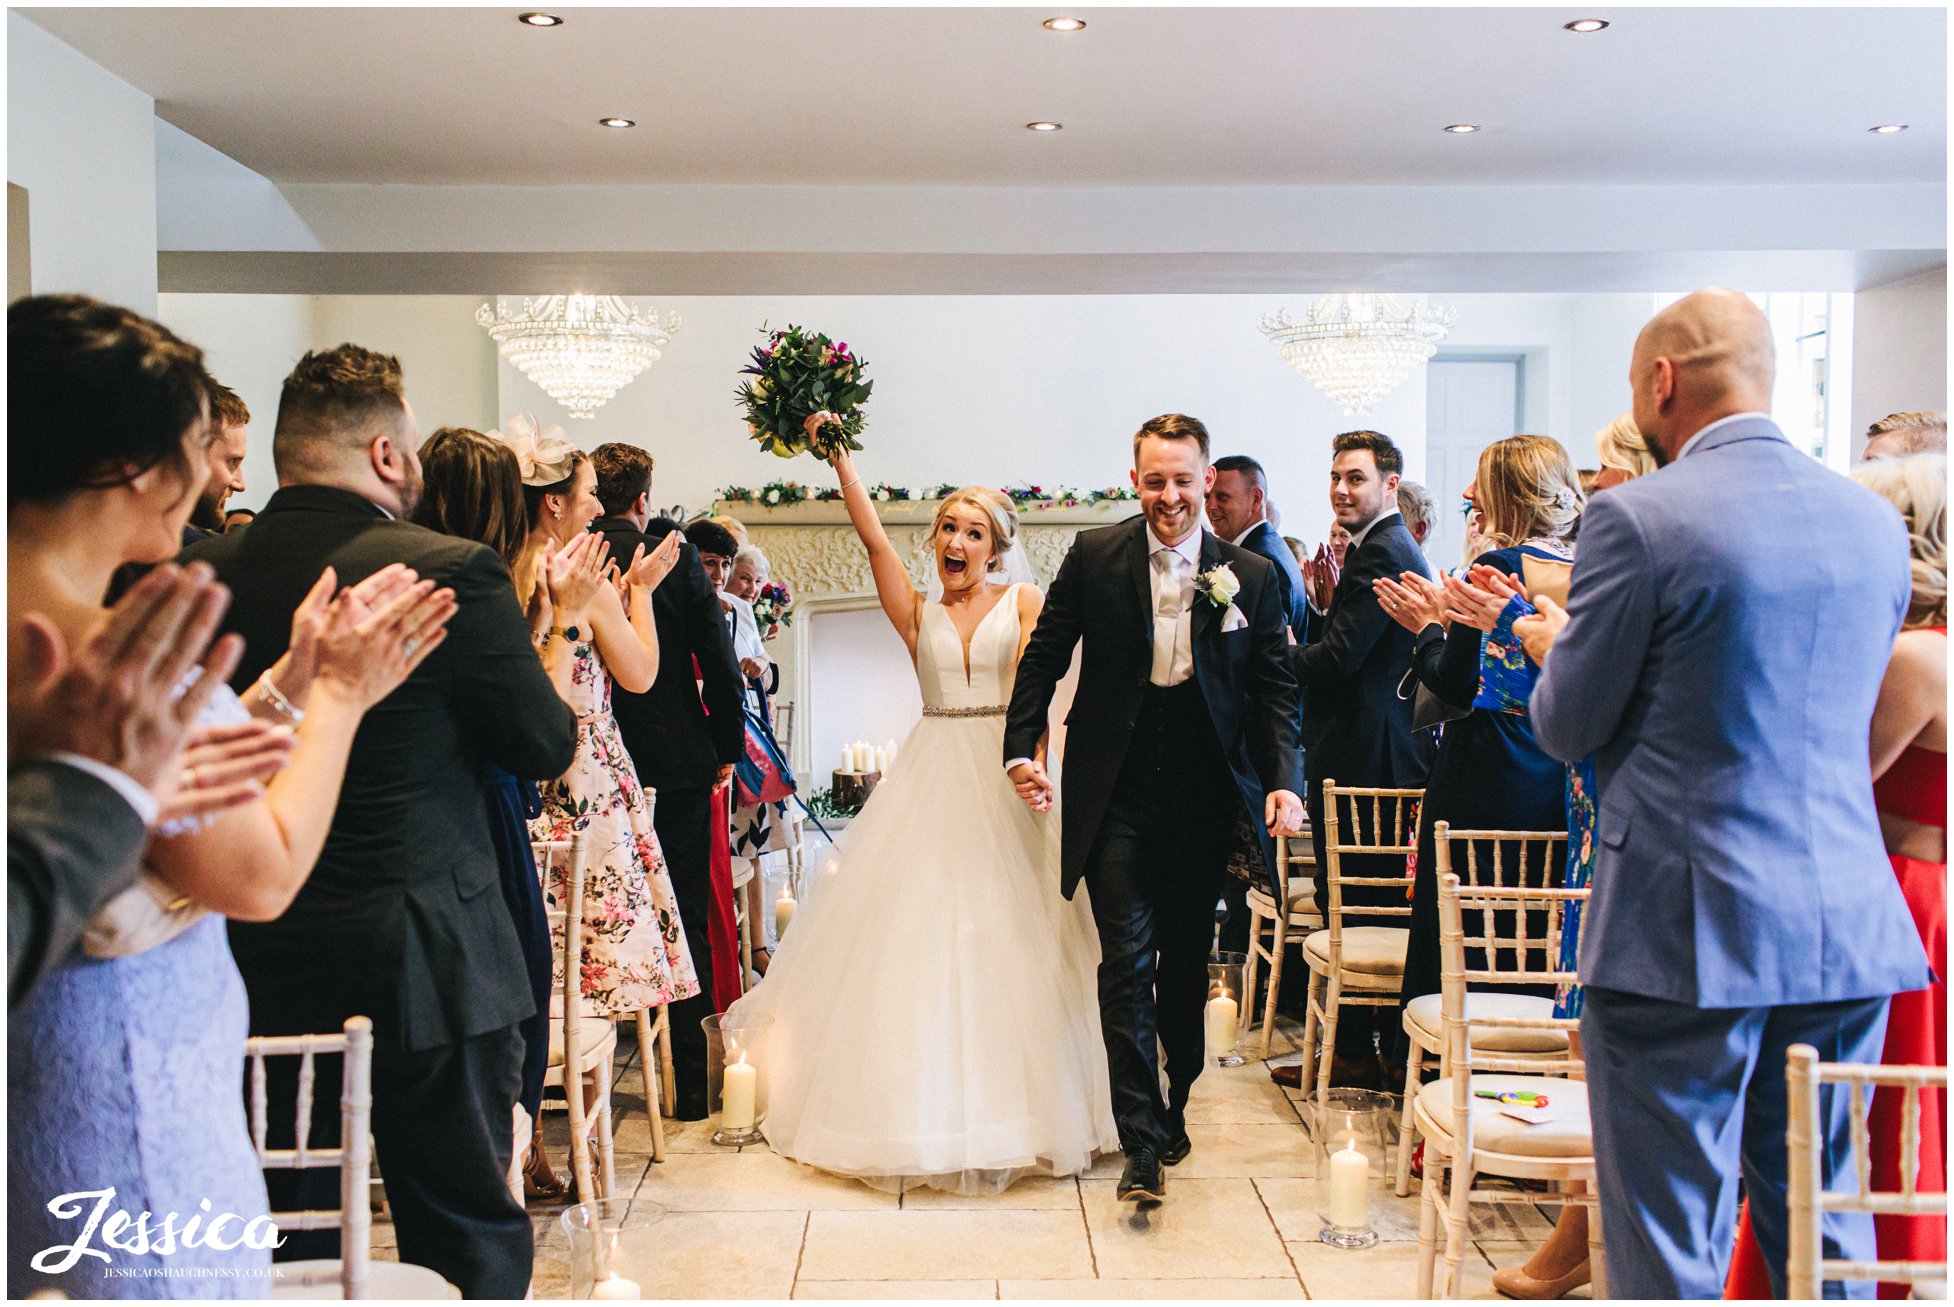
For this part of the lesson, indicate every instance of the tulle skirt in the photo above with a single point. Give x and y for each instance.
(936, 1020)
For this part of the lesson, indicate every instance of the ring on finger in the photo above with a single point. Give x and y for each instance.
(187, 779)
(409, 645)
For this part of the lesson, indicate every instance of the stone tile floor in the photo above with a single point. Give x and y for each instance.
(1239, 1220)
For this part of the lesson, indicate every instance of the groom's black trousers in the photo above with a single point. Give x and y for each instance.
(1154, 872)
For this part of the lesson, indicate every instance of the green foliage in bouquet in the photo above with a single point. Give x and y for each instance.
(795, 375)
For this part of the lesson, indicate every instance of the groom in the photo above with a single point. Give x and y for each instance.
(1186, 713)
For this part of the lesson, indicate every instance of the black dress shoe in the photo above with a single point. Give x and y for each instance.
(1177, 1151)
(1140, 1182)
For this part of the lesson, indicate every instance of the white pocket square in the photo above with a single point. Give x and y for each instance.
(1233, 620)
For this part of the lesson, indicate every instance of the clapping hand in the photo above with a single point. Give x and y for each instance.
(364, 654)
(648, 569)
(1412, 601)
(1320, 575)
(1538, 631)
(225, 766)
(572, 575)
(1480, 598)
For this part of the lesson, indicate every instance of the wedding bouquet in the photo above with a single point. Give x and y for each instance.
(773, 607)
(796, 375)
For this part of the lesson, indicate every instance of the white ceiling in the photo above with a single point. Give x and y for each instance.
(1159, 97)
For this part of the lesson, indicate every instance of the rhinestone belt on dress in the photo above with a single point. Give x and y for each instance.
(997, 710)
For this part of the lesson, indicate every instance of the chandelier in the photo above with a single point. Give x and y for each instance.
(581, 349)
(1356, 348)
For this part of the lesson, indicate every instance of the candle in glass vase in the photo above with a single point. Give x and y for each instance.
(1350, 1183)
(783, 912)
(615, 1288)
(737, 1095)
(1223, 1013)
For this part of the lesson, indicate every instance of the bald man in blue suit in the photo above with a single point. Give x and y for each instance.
(1722, 670)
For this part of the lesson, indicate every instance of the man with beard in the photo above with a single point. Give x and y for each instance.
(229, 420)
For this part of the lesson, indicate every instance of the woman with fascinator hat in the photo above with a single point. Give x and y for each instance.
(635, 955)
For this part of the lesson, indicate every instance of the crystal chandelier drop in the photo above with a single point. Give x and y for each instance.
(581, 349)
(1356, 348)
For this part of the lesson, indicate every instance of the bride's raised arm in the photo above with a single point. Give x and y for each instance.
(901, 601)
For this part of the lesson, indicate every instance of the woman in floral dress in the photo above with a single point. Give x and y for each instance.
(635, 956)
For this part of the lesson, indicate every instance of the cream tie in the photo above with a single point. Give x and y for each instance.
(1169, 567)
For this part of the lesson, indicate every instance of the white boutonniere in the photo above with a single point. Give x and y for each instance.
(1219, 586)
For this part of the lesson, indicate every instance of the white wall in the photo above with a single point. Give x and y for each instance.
(1899, 350)
(252, 341)
(83, 143)
(970, 389)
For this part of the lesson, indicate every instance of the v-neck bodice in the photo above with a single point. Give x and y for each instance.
(993, 662)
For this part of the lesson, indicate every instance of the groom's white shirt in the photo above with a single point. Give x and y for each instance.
(1173, 637)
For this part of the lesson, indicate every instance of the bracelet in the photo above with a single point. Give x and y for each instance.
(856, 482)
(276, 698)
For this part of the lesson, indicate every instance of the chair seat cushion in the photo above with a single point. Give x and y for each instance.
(1565, 1134)
(1302, 905)
(599, 1041)
(383, 1280)
(1367, 950)
(1425, 1014)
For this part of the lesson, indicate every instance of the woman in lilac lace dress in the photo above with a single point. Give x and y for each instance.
(123, 1068)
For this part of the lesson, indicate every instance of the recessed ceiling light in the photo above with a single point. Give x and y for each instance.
(1888, 129)
(1586, 25)
(1462, 129)
(617, 122)
(1044, 126)
(539, 20)
(1064, 24)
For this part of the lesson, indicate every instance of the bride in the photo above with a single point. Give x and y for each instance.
(936, 1020)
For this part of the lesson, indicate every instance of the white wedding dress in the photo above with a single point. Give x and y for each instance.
(936, 1017)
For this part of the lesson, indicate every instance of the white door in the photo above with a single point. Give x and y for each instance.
(1469, 403)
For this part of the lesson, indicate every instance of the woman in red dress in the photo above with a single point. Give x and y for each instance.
(1909, 760)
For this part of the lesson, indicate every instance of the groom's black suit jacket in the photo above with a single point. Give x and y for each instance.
(1103, 595)
(400, 920)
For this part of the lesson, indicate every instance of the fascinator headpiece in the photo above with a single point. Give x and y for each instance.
(545, 455)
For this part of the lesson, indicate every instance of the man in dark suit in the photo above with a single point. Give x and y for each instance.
(401, 920)
(684, 734)
(1185, 717)
(1356, 730)
(1238, 512)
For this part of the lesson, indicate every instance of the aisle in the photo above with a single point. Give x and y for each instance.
(1240, 1222)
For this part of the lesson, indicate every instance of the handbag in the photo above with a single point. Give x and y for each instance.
(761, 773)
(1428, 711)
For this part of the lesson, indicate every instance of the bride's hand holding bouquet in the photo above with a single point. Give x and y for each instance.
(806, 395)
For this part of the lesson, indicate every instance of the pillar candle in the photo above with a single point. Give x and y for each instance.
(1350, 1181)
(737, 1096)
(616, 1289)
(1222, 1033)
(783, 913)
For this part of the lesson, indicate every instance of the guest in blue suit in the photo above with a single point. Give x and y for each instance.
(1723, 672)
(1240, 513)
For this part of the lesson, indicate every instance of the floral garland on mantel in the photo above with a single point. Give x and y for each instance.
(780, 494)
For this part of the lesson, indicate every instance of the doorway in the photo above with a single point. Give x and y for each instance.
(1471, 400)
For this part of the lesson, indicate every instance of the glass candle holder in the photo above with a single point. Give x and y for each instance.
(1223, 1013)
(736, 1079)
(613, 1253)
(1351, 1130)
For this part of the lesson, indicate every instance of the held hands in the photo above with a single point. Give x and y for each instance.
(1538, 632)
(1412, 601)
(1284, 813)
(1033, 784)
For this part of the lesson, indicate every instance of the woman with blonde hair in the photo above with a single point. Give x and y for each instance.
(935, 1003)
(1488, 773)
(1624, 453)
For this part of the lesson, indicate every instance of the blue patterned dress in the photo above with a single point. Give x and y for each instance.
(1506, 680)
